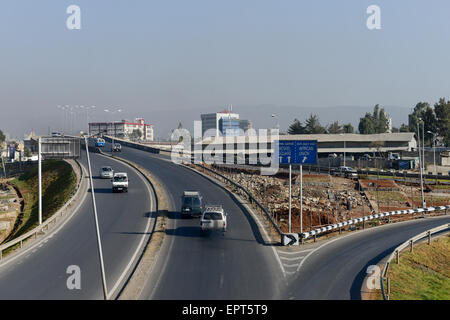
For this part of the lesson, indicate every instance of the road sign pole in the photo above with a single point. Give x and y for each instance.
(290, 193)
(99, 242)
(40, 180)
(301, 199)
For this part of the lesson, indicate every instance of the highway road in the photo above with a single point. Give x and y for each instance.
(233, 266)
(336, 270)
(238, 267)
(40, 271)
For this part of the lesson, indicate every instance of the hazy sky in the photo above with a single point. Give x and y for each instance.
(161, 59)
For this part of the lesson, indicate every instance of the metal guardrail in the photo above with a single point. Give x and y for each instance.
(408, 243)
(45, 225)
(134, 145)
(339, 225)
(250, 197)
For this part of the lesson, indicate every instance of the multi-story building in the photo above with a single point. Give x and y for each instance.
(224, 123)
(122, 129)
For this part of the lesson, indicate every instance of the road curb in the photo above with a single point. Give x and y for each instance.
(135, 283)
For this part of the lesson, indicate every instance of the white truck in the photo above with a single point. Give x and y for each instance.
(120, 182)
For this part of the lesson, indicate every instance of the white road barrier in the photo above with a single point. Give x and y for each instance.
(336, 226)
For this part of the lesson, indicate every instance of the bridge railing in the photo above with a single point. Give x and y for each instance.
(396, 254)
(248, 195)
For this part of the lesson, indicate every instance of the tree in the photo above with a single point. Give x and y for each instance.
(136, 134)
(377, 122)
(335, 128)
(423, 111)
(366, 125)
(404, 128)
(442, 112)
(313, 126)
(2, 137)
(296, 128)
(348, 128)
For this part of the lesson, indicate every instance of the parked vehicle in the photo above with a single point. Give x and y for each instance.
(214, 218)
(56, 134)
(120, 182)
(106, 172)
(117, 147)
(346, 172)
(191, 204)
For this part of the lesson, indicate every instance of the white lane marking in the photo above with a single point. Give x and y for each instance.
(291, 265)
(139, 247)
(292, 259)
(55, 231)
(294, 252)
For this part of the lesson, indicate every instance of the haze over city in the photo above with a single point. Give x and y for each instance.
(170, 61)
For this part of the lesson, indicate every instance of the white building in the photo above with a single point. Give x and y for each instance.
(122, 129)
(211, 120)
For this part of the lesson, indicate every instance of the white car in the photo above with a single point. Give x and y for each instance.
(214, 218)
(120, 182)
(106, 173)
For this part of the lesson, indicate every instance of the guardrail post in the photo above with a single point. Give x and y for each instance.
(315, 237)
(388, 285)
(340, 230)
(429, 237)
(411, 245)
(397, 255)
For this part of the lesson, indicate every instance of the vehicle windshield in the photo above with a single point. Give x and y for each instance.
(120, 179)
(106, 169)
(187, 201)
(212, 216)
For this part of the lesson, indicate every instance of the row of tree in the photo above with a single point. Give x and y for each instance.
(313, 126)
(436, 120)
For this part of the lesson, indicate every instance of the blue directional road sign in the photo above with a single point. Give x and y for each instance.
(298, 151)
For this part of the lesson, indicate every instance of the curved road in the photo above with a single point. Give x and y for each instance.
(40, 271)
(336, 270)
(233, 266)
(238, 267)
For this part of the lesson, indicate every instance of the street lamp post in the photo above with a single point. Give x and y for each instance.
(278, 124)
(434, 152)
(420, 165)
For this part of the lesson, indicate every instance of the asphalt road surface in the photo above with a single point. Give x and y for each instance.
(40, 273)
(230, 266)
(337, 270)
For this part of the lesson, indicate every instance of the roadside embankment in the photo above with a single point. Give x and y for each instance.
(423, 274)
(58, 184)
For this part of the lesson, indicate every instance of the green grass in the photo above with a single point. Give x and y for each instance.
(423, 274)
(387, 196)
(58, 184)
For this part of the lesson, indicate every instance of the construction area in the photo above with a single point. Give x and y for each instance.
(328, 199)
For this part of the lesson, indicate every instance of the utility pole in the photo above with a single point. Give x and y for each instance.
(40, 179)
(420, 165)
(301, 198)
(290, 193)
(99, 243)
